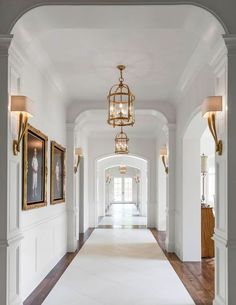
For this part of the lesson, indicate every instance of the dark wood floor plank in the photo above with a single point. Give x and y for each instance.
(43, 289)
(197, 277)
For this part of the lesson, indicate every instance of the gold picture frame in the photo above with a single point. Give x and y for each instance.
(57, 173)
(34, 169)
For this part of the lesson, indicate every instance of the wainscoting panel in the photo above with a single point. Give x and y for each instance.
(14, 196)
(42, 247)
(14, 270)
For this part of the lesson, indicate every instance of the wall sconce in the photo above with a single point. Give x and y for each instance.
(108, 178)
(78, 154)
(163, 155)
(210, 106)
(24, 108)
(137, 179)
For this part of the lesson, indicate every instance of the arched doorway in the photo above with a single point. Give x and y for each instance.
(137, 169)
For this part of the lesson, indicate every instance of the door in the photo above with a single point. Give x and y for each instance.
(123, 189)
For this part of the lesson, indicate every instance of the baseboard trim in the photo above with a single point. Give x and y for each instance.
(218, 301)
(43, 289)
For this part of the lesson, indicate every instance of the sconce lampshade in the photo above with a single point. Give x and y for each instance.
(78, 151)
(22, 104)
(211, 104)
(163, 151)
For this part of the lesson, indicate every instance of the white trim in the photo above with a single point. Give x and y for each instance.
(44, 220)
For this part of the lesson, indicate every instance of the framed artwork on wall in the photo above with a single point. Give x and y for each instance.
(35, 149)
(58, 155)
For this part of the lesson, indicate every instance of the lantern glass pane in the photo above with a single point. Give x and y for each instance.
(121, 111)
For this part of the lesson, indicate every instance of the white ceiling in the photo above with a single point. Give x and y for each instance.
(81, 46)
(148, 124)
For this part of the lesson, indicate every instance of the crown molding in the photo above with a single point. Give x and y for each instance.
(5, 41)
(22, 56)
(218, 57)
(230, 42)
(199, 57)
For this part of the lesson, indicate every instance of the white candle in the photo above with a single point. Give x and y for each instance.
(203, 164)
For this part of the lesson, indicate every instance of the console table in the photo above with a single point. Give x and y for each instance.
(207, 231)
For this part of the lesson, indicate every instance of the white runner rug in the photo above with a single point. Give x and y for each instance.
(120, 267)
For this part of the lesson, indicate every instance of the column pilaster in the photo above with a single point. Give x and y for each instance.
(170, 190)
(10, 235)
(72, 209)
(230, 243)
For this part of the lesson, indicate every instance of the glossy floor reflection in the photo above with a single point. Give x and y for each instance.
(123, 215)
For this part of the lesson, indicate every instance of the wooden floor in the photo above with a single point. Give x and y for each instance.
(42, 290)
(198, 278)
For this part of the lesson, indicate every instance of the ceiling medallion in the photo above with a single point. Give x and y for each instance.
(123, 169)
(121, 103)
(121, 142)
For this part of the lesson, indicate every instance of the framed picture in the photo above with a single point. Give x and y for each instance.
(35, 149)
(58, 154)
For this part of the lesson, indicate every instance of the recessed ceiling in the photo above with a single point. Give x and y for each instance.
(83, 44)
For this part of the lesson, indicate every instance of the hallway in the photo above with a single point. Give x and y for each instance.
(117, 153)
(119, 267)
(123, 215)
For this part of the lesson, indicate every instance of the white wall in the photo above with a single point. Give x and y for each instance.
(199, 87)
(161, 188)
(161, 192)
(44, 230)
(82, 183)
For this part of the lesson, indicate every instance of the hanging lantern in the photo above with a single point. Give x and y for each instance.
(123, 169)
(121, 143)
(121, 103)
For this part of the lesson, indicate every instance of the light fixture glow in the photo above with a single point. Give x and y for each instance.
(123, 169)
(164, 156)
(23, 107)
(210, 106)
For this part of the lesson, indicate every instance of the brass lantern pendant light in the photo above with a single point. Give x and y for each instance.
(123, 169)
(121, 103)
(121, 143)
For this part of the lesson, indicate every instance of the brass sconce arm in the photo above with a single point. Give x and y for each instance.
(23, 107)
(23, 120)
(163, 158)
(212, 126)
(210, 106)
(77, 164)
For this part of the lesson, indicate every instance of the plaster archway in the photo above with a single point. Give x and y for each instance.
(105, 162)
(191, 212)
(223, 15)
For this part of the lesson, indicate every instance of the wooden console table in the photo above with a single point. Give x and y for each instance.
(207, 231)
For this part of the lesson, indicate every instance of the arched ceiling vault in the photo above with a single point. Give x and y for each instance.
(225, 14)
(80, 49)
